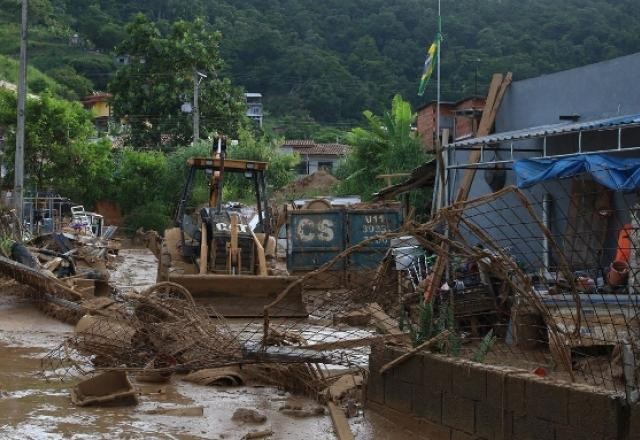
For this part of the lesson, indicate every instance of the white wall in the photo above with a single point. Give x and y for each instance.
(314, 162)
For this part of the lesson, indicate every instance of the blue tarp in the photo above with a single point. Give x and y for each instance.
(615, 173)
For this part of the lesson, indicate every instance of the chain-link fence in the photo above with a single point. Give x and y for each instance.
(544, 279)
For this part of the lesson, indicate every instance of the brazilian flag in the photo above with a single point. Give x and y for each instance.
(432, 53)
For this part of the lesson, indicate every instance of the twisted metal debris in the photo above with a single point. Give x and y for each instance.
(159, 330)
(534, 320)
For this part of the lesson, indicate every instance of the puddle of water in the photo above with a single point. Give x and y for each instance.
(137, 270)
(21, 324)
(33, 408)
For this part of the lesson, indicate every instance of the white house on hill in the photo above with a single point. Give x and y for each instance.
(315, 156)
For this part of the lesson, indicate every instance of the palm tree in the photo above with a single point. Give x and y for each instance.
(388, 145)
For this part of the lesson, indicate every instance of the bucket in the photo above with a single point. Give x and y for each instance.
(618, 273)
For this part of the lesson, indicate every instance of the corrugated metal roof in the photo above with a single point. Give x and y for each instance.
(551, 130)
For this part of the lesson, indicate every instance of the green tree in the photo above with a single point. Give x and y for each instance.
(387, 145)
(142, 189)
(67, 76)
(266, 148)
(92, 178)
(59, 154)
(333, 58)
(159, 78)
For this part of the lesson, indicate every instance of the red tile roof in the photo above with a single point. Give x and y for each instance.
(304, 146)
(97, 97)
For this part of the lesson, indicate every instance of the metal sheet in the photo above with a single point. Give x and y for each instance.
(367, 223)
(243, 295)
(550, 130)
(315, 238)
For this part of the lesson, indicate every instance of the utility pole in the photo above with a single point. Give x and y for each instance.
(22, 95)
(477, 61)
(197, 78)
(196, 109)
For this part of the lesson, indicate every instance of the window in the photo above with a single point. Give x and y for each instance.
(327, 166)
(303, 167)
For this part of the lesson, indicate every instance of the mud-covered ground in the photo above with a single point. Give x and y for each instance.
(33, 408)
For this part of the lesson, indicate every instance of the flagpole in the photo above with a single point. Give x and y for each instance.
(439, 37)
(438, 187)
(443, 171)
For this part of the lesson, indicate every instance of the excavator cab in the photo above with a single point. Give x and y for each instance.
(220, 258)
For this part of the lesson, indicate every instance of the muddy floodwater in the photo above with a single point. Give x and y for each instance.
(34, 408)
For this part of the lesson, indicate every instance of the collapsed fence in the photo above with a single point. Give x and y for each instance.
(545, 279)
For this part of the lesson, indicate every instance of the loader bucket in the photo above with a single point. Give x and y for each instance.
(244, 295)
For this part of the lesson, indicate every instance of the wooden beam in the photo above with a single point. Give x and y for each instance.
(353, 343)
(345, 383)
(234, 165)
(387, 177)
(262, 261)
(384, 322)
(497, 89)
(204, 250)
(486, 122)
(397, 361)
(340, 423)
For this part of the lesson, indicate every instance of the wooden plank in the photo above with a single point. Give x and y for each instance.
(204, 250)
(492, 94)
(342, 386)
(340, 423)
(486, 124)
(384, 322)
(353, 343)
(397, 361)
(497, 89)
(262, 261)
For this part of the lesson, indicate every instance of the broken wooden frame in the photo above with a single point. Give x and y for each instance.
(534, 328)
(493, 247)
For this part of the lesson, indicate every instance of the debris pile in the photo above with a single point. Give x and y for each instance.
(66, 270)
(456, 285)
(159, 331)
(487, 280)
(319, 182)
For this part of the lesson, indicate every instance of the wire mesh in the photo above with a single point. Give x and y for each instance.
(544, 279)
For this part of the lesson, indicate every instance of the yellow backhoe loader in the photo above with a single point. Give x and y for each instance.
(219, 258)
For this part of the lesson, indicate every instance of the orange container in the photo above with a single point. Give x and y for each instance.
(624, 244)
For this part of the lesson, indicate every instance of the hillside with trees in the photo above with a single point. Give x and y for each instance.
(320, 65)
(323, 63)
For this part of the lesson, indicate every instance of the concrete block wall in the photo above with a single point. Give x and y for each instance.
(451, 399)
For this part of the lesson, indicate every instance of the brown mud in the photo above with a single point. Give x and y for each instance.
(34, 408)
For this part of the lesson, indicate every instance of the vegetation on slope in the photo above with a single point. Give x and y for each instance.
(324, 62)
